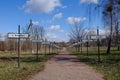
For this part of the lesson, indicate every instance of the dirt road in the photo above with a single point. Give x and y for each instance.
(67, 67)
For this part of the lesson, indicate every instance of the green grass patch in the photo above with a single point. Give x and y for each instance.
(28, 66)
(109, 65)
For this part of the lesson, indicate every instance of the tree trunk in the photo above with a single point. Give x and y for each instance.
(117, 37)
(79, 48)
(110, 38)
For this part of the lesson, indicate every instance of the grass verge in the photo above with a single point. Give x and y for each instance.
(109, 65)
(29, 65)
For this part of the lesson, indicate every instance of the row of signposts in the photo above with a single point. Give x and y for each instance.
(93, 37)
(51, 46)
(20, 35)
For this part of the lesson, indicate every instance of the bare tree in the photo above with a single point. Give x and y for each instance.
(39, 35)
(116, 18)
(76, 34)
(111, 13)
(110, 10)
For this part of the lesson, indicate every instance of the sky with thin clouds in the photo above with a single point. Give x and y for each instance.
(56, 16)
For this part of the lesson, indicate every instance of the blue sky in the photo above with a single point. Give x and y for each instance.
(57, 16)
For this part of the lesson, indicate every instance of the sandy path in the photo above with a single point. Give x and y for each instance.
(67, 67)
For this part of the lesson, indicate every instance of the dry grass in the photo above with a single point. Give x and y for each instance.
(29, 65)
(109, 65)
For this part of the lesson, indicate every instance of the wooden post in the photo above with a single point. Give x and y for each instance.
(98, 43)
(81, 46)
(87, 48)
(87, 45)
(45, 46)
(19, 47)
(37, 45)
(45, 49)
(37, 51)
(49, 48)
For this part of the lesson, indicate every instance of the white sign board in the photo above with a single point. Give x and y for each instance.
(36, 40)
(14, 35)
(46, 43)
(98, 37)
(86, 41)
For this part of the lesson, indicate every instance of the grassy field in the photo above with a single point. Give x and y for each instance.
(109, 65)
(29, 65)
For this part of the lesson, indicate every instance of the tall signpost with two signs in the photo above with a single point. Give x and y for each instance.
(18, 36)
(98, 37)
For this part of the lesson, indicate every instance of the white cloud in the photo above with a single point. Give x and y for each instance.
(89, 1)
(73, 20)
(62, 31)
(54, 27)
(41, 6)
(35, 22)
(46, 21)
(58, 16)
(51, 36)
(64, 7)
(57, 37)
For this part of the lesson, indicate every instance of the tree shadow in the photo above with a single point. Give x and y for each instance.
(69, 59)
(22, 59)
(28, 58)
(92, 58)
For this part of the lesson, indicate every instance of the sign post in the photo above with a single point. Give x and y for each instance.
(45, 46)
(49, 47)
(37, 49)
(87, 48)
(19, 47)
(98, 43)
(87, 44)
(18, 36)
